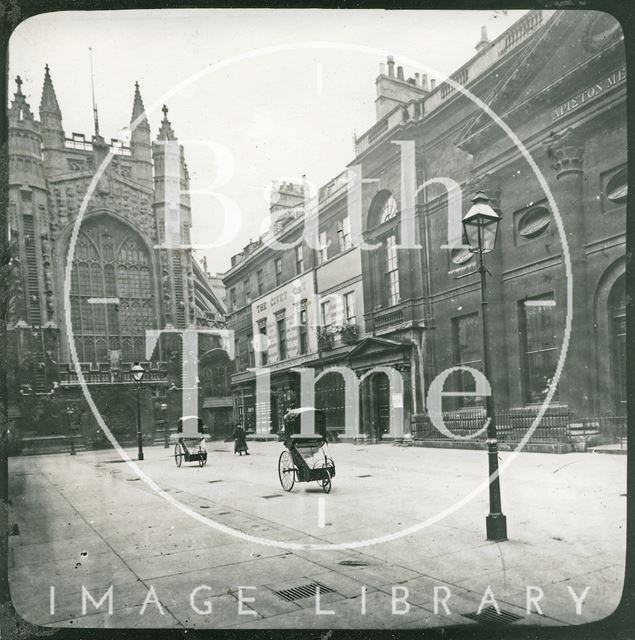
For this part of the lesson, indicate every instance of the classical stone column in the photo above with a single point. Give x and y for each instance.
(565, 150)
(364, 418)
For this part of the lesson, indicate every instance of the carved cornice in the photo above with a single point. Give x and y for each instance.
(565, 149)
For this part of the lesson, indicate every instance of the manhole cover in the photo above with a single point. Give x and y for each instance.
(133, 479)
(366, 475)
(490, 615)
(203, 506)
(213, 481)
(354, 563)
(304, 591)
(273, 495)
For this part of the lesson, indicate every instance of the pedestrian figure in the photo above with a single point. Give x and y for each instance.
(240, 442)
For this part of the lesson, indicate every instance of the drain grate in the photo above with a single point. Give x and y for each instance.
(304, 591)
(213, 481)
(273, 495)
(203, 506)
(366, 475)
(489, 615)
(354, 563)
(223, 513)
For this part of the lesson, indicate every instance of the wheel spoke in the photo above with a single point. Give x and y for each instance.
(286, 471)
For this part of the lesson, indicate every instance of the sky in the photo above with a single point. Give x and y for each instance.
(269, 115)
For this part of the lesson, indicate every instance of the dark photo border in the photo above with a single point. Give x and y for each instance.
(621, 624)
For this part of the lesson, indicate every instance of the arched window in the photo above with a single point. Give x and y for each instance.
(384, 220)
(110, 262)
(388, 210)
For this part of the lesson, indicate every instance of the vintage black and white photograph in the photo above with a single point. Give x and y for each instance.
(314, 319)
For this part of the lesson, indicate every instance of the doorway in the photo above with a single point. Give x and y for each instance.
(617, 323)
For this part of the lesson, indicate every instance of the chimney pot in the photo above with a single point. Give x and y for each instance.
(433, 84)
(484, 41)
(391, 67)
(417, 81)
(424, 81)
(400, 72)
(382, 69)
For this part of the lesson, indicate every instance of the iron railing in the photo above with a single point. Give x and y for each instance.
(511, 425)
(610, 426)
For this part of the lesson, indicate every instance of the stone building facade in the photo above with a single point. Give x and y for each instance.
(557, 80)
(296, 304)
(555, 170)
(125, 275)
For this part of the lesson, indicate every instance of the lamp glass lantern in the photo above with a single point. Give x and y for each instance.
(137, 372)
(480, 225)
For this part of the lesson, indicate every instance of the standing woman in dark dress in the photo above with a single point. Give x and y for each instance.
(240, 442)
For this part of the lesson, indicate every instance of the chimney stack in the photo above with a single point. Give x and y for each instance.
(424, 82)
(433, 84)
(391, 67)
(382, 69)
(393, 89)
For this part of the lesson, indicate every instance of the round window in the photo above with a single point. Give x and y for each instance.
(617, 187)
(460, 256)
(534, 222)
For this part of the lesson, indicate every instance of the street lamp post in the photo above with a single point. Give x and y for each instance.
(480, 226)
(70, 414)
(137, 372)
(164, 408)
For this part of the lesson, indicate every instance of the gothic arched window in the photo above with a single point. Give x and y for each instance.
(111, 263)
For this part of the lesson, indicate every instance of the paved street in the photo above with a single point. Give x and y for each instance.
(89, 521)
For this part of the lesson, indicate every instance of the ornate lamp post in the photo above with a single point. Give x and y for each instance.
(137, 372)
(480, 226)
